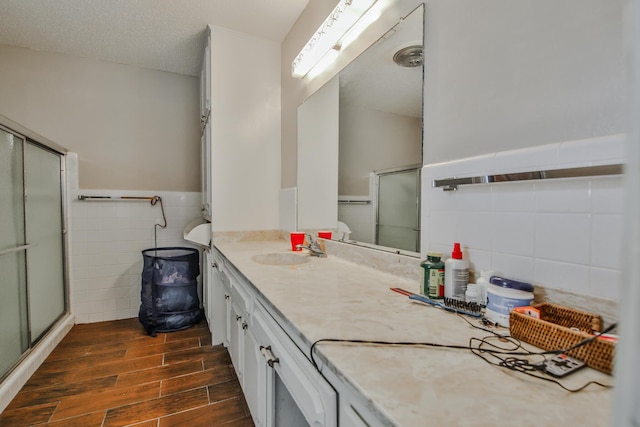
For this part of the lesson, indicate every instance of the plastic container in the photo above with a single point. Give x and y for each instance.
(432, 283)
(471, 294)
(324, 234)
(483, 284)
(503, 295)
(456, 274)
(297, 238)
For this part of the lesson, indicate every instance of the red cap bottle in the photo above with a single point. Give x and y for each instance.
(457, 253)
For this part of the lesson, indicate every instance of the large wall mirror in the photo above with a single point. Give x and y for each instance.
(377, 100)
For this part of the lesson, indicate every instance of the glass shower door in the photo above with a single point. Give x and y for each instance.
(32, 276)
(14, 328)
(45, 257)
(399, 210)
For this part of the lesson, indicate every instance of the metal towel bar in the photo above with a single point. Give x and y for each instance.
(354, 202)
(16, 249)
(84, 197)
(450, 184)
(152, 199)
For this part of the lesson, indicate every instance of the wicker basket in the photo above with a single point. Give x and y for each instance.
(552, 332)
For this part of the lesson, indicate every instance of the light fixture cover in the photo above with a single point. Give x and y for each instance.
(328, 35)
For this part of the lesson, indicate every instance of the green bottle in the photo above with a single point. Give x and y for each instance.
(432, 283)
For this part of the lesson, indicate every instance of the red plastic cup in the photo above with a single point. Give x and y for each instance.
(297, 238)
(324, 234)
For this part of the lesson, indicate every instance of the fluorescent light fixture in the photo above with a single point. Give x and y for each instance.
(328, 37)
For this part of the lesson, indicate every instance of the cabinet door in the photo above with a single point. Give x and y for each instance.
(254, 377)
(235, 341)
(227, 302)
(217, 303)
(205, 120)
(205, 80)
(207, 280)
(205, 168)
(241, 304)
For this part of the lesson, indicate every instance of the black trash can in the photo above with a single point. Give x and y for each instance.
(169, 296)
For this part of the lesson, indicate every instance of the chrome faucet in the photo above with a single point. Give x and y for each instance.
(313, 248)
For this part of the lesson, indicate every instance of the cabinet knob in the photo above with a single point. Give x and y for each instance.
(238, 317)
(214, 264)
(244, 326)
(226, 296)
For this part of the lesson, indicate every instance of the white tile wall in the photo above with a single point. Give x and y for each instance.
(105, 243)
(359, 217)
(106, 240)
(562, 234)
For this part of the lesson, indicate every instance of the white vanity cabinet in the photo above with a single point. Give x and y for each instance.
(280, 385)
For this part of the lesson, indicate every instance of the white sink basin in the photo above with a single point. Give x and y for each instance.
(281, 258)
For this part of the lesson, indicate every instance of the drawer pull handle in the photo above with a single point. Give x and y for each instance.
(238, 317)
(244, 326)
(269, 356)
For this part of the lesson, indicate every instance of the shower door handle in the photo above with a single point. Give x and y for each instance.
(16, 249)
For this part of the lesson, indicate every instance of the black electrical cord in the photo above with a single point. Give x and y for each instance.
(389, 343)
(523, 366)
(510, 362)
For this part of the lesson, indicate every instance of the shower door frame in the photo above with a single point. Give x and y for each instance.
(28, 137)
(401, 169)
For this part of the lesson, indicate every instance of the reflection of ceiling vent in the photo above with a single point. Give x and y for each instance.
(410, 56)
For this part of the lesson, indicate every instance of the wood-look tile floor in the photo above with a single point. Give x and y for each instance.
(113, 374)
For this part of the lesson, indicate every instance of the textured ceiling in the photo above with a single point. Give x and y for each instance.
(164, 35)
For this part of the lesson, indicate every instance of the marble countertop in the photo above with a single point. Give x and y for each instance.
(408, 386)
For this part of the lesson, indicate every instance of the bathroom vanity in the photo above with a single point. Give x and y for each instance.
(269, 305)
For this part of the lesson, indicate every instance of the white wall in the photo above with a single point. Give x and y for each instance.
(133, 128)
(245, 120)
(501, 75)
(373, 140)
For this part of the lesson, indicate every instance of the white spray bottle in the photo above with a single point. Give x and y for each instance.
(456, 274)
